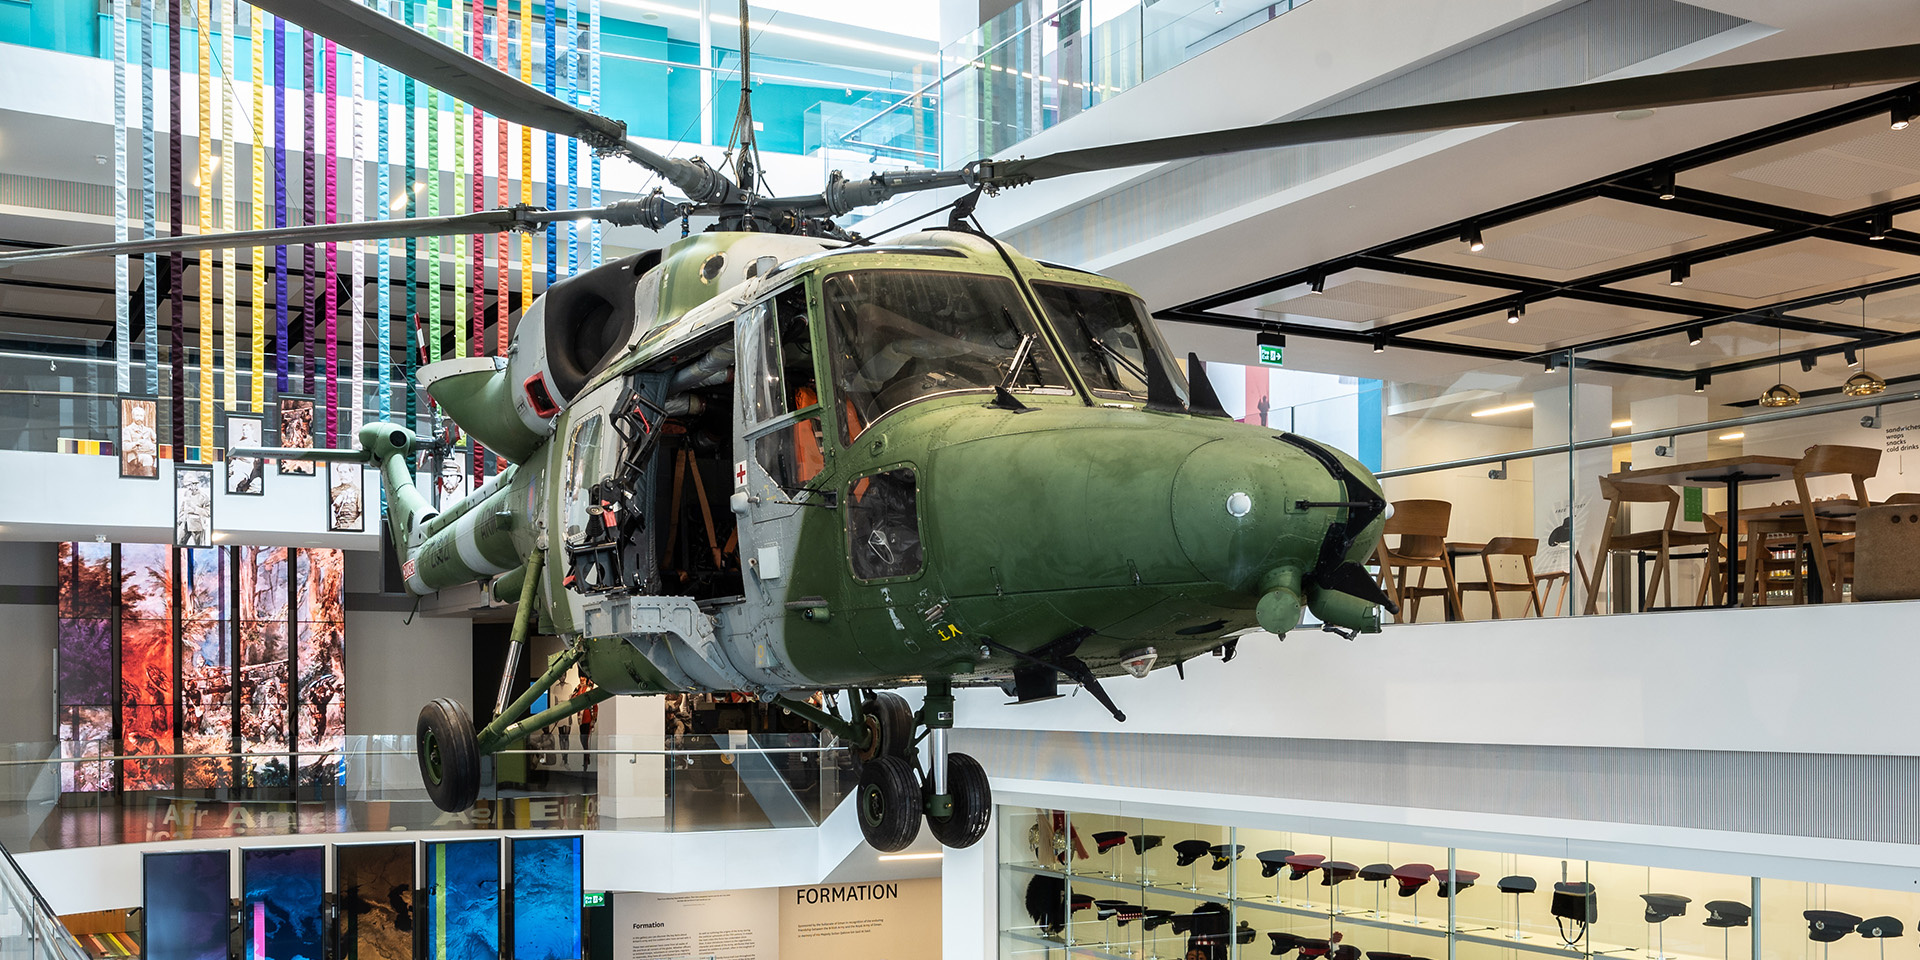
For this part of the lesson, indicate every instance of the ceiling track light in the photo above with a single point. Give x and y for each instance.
(1807, 363)
(1317, 283)
(1663, 184)
(1473, 240)
(1852, 355)
(1902, 114)
(1515, 312)
(1879, 225)
(1700, 383)
(1379, 344)
(1552, 363)
(1695, 334)
(1678, 275)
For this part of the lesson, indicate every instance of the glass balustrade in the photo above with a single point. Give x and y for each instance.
(687, 783)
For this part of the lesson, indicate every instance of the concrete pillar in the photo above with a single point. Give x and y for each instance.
(632, 786)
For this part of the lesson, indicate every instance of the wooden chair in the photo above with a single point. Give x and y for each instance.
(1825, 533)
(1522, 547)
(1421, 526)
(1663, 540)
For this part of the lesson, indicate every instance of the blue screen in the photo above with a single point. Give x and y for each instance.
(282, 902)
(546, 898)
(463, 899)
(186, 904)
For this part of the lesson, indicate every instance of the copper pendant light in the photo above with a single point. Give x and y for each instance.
(1779, 395)
(1865, 383)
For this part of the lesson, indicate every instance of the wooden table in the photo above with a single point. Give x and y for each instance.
(1837, 507)
(1729, 471)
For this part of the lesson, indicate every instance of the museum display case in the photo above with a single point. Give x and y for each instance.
(1125, 888)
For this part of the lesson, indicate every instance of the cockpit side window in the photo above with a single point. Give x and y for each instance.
(582, 473)
(900, 335)
(1109, 337)
(778, 372)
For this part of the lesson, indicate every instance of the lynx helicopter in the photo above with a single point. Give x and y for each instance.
(779, 459)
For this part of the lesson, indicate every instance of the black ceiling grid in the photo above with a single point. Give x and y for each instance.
(1750, 226)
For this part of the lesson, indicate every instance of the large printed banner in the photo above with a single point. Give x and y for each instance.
(896, 918)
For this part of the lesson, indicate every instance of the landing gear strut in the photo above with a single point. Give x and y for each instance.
(895, 793)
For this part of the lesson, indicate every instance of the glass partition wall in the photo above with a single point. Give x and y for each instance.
(1098, 885)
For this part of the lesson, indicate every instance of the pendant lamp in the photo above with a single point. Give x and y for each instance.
(1779, 395)
(1865, 383)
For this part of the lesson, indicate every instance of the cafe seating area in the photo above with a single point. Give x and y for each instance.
(1797, 549)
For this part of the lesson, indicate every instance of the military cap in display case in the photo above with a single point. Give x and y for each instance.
(1454, 881)
(1412, 877)
(1272, 860)
(1224, 854)
(1376, 872)
(1517, 884)
(1826, 926)
(1880, 927)
(1108, 839)
(1142, 842)
(1302, 864)
(1190, 850)
(1660, 906)
(1727, 913)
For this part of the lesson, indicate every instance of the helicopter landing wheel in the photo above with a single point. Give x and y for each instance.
(449, 755)
(972, 803)
(889, 723)
(889, 804)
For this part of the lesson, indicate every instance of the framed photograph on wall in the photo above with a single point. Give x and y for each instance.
(246, 476)
(346, 497)
(296, 431)
(192, 506)
(139, 443)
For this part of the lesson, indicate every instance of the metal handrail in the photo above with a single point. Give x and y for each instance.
(113, 757)
(1661, 434)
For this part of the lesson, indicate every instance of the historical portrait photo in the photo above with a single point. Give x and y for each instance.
(245, 475)
(139, 446)
(296, 431)
(192, 507)
(345, 497)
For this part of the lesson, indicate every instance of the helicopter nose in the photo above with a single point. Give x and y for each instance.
(1249, 514)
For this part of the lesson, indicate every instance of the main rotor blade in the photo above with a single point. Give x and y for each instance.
(647, 211)
(1833, 71)
(423, 58)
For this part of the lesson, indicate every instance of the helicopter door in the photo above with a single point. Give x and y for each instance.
(783, 449)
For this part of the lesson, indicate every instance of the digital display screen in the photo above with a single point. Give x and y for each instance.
(283, 903)
(375, 882)
(547, 897)
(186, 896)
(462, 913)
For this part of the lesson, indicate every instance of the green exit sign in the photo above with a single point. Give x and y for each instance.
(594, 898)
(1273, 348)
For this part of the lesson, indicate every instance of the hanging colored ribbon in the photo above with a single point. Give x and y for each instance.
(281, 347)
(526, 151)
(594, 229)
(432, 173)
(464, 178)
(177, 210)
(208, 307)
(383, 303)
(356, 357)
(477, 190)
(553, 148)
(149, 204)
(122, 300)
(330, 52)
(256, 394)
(571, 45)
(412, 359)
(226, 19)
(501, 168)
(309, 212)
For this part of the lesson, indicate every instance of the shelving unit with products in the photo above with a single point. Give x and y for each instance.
(1103, 886)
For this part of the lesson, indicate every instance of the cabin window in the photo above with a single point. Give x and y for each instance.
(900, 335)
(883, 525)
(582, 472)
(777, 368)
(1109, 338)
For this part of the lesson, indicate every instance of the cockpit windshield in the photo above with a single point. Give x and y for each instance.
(900, 335)
(1108, 336)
